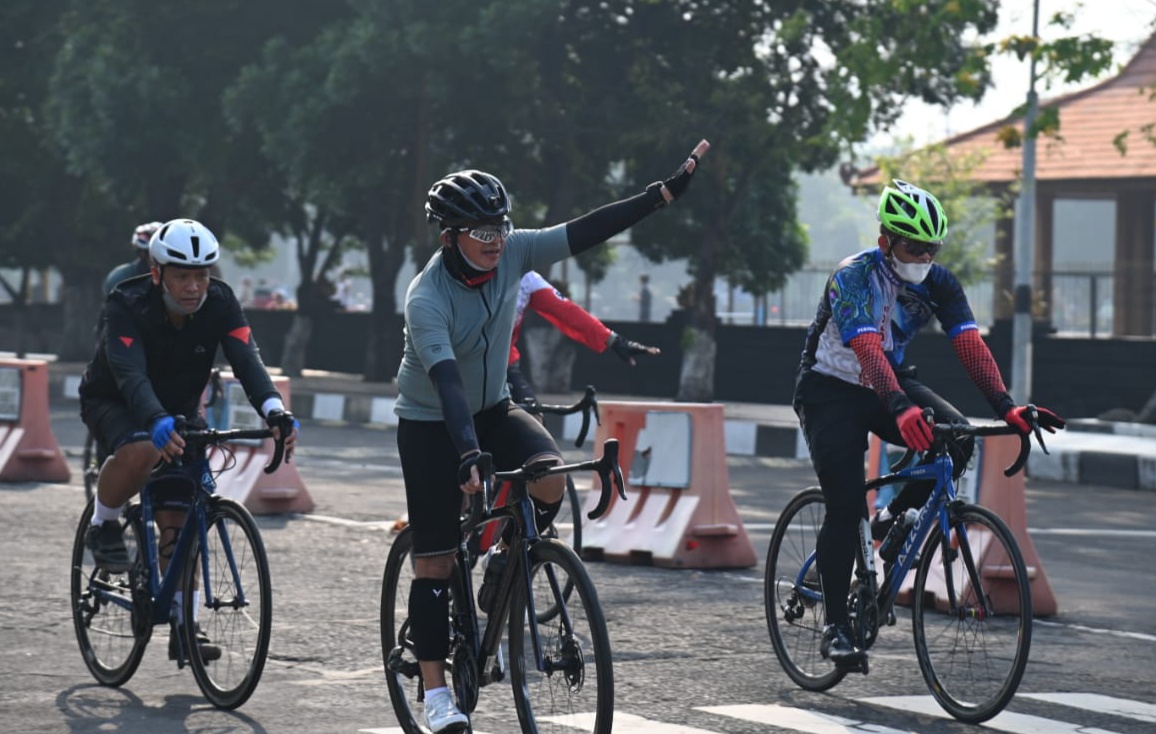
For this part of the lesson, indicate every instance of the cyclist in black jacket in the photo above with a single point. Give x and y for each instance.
(159, 336)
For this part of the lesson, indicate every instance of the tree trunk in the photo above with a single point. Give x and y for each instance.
(296, 345)
(81, 303)
(551, 357)
(696, 379)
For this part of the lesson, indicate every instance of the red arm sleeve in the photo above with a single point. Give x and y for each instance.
(982, 369)
(876, 370)
(570, 318)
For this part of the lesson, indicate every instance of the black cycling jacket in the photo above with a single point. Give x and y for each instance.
(157, 369)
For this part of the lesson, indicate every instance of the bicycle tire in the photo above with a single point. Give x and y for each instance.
(796, 624)
(236, 605)
(577, 656)
(573, 505)
(90, 466)
(402, 675)
(111, 612)
(973, 657)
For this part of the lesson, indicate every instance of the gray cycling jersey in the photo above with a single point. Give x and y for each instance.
(445, 319)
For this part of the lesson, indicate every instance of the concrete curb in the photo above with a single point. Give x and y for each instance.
(1092, 452)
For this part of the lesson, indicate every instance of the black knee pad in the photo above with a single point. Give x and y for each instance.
(429, 613)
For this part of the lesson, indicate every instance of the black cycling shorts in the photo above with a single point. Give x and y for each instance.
(429, 465)
(112, 424)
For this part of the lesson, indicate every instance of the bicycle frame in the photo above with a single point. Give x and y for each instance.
(940, 470)
(513, 502)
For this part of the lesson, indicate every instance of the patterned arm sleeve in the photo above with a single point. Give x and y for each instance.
(877, 373)
(981, 367)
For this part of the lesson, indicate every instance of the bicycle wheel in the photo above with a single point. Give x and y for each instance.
(402, 675)
(567, 527)
(236, 604)
(576, 686)
(112, 612)
(973, 652)
(795, 619)
(90, 466)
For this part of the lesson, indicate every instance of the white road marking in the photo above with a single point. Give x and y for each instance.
(1007, 721)
(1126, 708)
(802, 720)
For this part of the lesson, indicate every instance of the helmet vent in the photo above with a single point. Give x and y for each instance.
(196, 243)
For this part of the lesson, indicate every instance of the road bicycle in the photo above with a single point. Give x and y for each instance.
(218, 552)
(567, 525)
(560, 666)
(971, 620)
(93, 456)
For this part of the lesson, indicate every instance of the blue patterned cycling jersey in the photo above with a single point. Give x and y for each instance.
(864, 295)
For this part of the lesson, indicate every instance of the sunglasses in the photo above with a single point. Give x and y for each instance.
(487, 233)
(917, 249)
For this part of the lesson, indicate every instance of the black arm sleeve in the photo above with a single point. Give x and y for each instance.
(447, 379)
(124, 348)
(243, 355)
(594, 228)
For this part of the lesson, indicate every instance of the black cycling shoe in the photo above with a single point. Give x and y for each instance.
(106, 542)
(495, 566)
(209, 651)
(838, 647)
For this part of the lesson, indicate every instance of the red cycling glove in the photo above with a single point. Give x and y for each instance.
(914, 429)
(1047, 420)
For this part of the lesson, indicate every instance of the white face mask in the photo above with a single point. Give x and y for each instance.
(910, 272)
(174, 306)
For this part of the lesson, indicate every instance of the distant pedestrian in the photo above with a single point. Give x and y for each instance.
(644, 298)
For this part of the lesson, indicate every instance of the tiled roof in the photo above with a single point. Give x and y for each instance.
(1089, 122)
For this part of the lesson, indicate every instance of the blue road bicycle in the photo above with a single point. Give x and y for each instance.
(971, 620)
(219, 552)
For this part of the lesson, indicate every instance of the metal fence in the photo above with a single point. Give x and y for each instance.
(1082, 302)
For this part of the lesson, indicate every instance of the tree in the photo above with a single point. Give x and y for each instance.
(778, 88)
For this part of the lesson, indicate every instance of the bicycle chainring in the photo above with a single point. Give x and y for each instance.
(864, 614)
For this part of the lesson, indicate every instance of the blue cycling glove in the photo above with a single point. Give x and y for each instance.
(162, 431)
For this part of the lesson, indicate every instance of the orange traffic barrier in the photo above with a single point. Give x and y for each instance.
(28, 448)
(985, 484)
(247, 483)
(678, 512)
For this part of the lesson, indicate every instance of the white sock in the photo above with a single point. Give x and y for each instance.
(196, 605)
(179, 607)
(432, 692)
(102, 513)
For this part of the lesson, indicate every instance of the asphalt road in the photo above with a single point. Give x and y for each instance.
(691, 651)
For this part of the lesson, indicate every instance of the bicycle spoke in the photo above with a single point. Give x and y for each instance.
(973, 628)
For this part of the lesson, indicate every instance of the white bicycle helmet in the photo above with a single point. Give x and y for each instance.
(143, 234)
(184, 243)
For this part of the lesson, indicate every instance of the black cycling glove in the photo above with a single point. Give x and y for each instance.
(284, 420)
(468, 463)
(678, 182)
(626, 349)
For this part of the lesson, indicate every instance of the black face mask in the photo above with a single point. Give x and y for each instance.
(456, 263)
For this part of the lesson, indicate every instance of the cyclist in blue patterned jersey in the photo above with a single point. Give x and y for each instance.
(853, 381)
(453, 400)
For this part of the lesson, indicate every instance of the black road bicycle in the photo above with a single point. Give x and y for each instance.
(559, 663)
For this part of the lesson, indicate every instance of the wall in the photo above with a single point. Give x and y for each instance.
(1075, 377)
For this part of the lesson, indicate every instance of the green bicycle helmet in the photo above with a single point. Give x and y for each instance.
(909, 211)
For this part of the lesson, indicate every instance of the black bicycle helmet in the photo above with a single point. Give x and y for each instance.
(467, 197)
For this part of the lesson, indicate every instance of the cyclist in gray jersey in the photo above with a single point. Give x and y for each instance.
(453, 401)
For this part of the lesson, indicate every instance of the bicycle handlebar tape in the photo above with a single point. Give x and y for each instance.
(282, 491)
(678, 512)
(984, 483)
(29, 451)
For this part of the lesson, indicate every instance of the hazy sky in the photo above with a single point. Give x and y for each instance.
(1126, 22)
